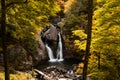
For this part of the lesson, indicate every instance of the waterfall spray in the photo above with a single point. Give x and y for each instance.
(50, 54)
(59, 50)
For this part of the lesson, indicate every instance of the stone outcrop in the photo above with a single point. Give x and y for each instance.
(50, 33)
(55, 73)
(40, 55)
(21, 58)
(18, 58)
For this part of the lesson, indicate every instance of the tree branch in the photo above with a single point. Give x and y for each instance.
(12, 3)
(46, 77)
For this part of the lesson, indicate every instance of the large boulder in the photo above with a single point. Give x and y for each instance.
(49, 36)
(23, 58)
(18, 58)
(51, 33)
(40, 54)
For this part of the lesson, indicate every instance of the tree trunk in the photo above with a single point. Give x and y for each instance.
(98, 60)
(89, 31)
(46, 77)
(3, 33)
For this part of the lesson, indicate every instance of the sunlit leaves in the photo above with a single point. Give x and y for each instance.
(28, 17)
(80, 33)
(75, 20)
(106, 38)
(81, 43)
(108, 13)
(72, 8)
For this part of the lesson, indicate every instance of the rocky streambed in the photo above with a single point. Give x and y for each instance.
(56, 73)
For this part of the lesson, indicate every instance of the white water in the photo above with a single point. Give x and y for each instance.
(50, 54)
(59, 50)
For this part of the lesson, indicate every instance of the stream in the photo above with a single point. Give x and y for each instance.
(59, 69)
(67, 64)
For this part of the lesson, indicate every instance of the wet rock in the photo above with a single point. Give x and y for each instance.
(40, 54)
(58, 73)
(50, 33)
(18, 58)
(49, 36)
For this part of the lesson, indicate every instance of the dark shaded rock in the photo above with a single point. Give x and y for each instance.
(50, 36)
(51, 33)
(56, 73)
(1, 68)
(40, 54)
(1, 58)
(18, 58)
(72, 52)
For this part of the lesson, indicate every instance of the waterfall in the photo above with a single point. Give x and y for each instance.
(59, 50)
(50, 54)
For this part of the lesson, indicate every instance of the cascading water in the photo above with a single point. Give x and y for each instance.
(59, 50)
(50, 54)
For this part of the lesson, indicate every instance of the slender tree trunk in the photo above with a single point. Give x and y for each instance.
(89, 31)
(3, 31)
(98, 60)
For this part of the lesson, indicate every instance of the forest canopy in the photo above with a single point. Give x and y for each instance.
(105, 49)
(25, 20)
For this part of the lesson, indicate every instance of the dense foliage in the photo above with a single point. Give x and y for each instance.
(75, 22)
(105, 49)
(25, 20)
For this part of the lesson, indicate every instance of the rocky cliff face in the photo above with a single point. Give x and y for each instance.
(50, 36)
(21, 58)
(18, 58)
(50, 33)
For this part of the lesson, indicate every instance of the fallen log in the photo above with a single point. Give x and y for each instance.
(42, 74)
